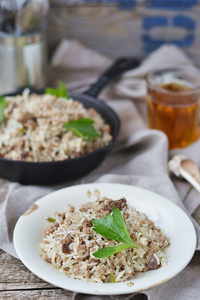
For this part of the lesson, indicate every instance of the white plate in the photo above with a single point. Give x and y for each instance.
(169, 217)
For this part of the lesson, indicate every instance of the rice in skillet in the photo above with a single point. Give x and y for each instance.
(34, 130)
(69, 243)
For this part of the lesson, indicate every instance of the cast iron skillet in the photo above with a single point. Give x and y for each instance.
(46, 173)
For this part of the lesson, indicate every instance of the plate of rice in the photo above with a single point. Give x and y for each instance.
(57, 239)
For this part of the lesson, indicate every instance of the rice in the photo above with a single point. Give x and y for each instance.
(33, 128)
(69, 243)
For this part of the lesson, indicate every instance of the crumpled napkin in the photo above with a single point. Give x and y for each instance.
(139, 158)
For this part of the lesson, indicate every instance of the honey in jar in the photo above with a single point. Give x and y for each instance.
(174, 108)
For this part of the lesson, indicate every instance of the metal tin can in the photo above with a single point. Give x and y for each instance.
(23, 61)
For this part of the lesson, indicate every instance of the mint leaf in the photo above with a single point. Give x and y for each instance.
(2, 105)
(61, 91)
(83, 128)
(107, 251)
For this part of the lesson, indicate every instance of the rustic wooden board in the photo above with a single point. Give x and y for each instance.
(116, 29)
(57, 294)
(129, 4)
(17, 282)
(14, 275)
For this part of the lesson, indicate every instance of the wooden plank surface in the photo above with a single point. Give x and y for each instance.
(57, 294)
(17, 282)
(14, 275)
(114, 30)
(127, 4)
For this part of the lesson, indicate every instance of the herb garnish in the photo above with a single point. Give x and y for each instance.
(113, 227)
(112, 278)
(51, 220)
(61, 91)
(83, 128)
(2, 105)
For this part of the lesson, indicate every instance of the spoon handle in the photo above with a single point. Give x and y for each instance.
(190, 179)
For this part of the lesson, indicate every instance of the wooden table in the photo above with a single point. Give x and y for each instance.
(17, 282)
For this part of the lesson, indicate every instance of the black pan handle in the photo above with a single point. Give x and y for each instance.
(118, 68)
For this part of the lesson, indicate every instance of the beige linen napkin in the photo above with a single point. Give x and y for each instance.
(139, 158)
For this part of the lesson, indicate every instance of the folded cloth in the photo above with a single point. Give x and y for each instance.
(140, 156)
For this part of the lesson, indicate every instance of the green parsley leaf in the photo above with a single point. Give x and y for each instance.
(119, 220)
(107, 251)
(112, 278)
(112, 227)
(61, 91)
(49, 219)
(83, 128)
(2, 105)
